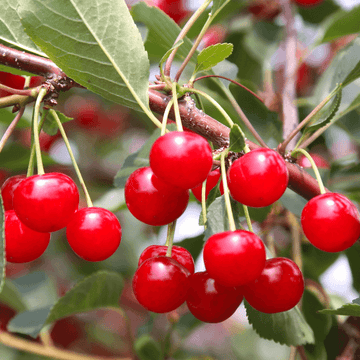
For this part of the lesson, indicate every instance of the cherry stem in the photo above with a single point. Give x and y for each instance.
(170, 237)
(285, 143)
(315, 168)
(28, 92)
(215, 103)
(11, 128)
(233, 81)
(165, 116)
(39, 163)
(73, 160)
(176, 108)
(30, 169)
(203, 202)
(247, 216)
(183, 33)
(232, 226)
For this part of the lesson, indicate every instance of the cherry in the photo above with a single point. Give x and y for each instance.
(46, 203)
(178, 253)
(264, 9)
(161, 284)
(94, 233)
(318, 159)
(182, 159)
(308, 3)
(209, 301)
(258, 178)
(279, 287)
(211, 182)
(214, 35)
(234, 258)
(66, 331)
(7, 190)
(153, 201)
(22, 244)
(331, 222)
(173, 8)
(45, 139)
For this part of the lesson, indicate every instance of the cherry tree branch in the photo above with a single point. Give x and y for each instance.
(193, 118)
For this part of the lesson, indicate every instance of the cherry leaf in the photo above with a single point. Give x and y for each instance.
(147, 348)
(212, 55)
(50, 125)
(352, 309)
(237, 140)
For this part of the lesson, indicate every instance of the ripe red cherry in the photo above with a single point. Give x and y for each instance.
(8, 188)
(214, 35)
(234, 258)
(209, 301)
(320, 162)
(178, 253)
(22, 244)
(308, 3)
(161, 284)
(331, 222)
(278, 288)
(94, 233)
(258, 178)
(46, 203)
(182, 159)
(153, 201)
(173, 8)
(211, 182)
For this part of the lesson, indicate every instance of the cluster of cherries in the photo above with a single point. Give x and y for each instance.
(37, 205)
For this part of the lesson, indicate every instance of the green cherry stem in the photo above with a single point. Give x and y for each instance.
(176, 108)
(313, 165)
(165, 116)
(170, 237)
(40, 166)
(232, 226)
(214, 102)
(77, 170)
(247, 216)
(203, 202)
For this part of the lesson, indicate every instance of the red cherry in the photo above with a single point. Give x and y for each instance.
(161, 284)
(45, 139)
(66, 331)
(182, 159)
(264, 9)
(209, 301)
(331, 222)
(320, 162)
(8, 188)
(258, 178)
(216, 34)
(94, 233)
(46, 203)
(234, 258)
(278, 288)
(308, 3)
(173, 8)
(22, 244)
(153, 201)
(178, 253)
(211, 182)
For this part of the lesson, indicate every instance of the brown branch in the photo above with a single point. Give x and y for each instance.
(193, 118)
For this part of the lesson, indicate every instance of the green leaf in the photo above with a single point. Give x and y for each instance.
(95, 42)
(288, 327)
(218, 5)
(147, 348)
(167, 54)
(237, 140)
(194, 245)
(342, 23)
(12, 297)
(11, 30)
(293, 202)
(101, 289)
(353, 256)
(212, 55)
(352, 309)
(50, 125)
(2, 244)
(138, 159)
(6, 117)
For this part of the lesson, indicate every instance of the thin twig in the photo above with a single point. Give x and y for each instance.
(11, 128)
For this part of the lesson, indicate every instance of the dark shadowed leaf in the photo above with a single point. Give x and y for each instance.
(147, 348)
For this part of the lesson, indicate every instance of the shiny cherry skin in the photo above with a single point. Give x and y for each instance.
(331, 222)
(8, 188)
(161, 284)
(153, 201)
(234, 258)
(320, 162)
(308, 3)
(279, 287)
(173, 8)
(211, 182)
(22, 244)
(209, 301)
(182, 159)
(94, 233)
(258, 178)
(178, 253)
(46, 203)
